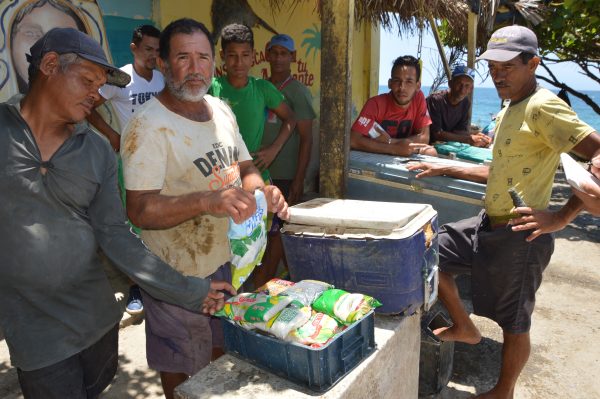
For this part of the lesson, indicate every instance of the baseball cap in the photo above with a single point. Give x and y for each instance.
(69, 40)
(282, 40)
(508, 42)
(463, 70)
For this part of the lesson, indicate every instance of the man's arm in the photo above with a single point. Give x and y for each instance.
(304, 128)
(476, 139)
(399, 147)
(266, 156)
(96, 120)
(149, 209)
(128, 253)
(590, 196)
(476, 173)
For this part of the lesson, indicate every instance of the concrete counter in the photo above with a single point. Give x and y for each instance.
(392, 371)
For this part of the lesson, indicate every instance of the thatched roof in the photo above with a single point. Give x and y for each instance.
(410, 16)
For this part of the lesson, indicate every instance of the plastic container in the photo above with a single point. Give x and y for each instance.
(465, 151)
(436, 357)
(385, 250)
(378, 177)
(317, 369)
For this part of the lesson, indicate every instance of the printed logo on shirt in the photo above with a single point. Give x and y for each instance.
(140, 98)
(364, 121)
(222, 164)
(397, 129)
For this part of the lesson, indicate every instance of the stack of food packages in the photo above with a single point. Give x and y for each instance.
(309, 312)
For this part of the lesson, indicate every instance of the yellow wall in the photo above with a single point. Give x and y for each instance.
(303, 24)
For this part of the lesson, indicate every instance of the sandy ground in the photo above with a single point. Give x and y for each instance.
(565, 358)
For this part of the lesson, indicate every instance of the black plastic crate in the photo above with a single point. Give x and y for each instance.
(436, 357)
(318, 369)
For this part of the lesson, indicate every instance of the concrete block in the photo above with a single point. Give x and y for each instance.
(392, 371)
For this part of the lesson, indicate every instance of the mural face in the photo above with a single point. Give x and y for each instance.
(25, 21)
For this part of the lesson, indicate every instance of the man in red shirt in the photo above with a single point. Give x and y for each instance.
(397, 122)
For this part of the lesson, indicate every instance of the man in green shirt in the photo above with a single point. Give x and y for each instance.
(289, 167)
(249, 97)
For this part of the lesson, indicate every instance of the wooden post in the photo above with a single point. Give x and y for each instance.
(336, 94)
(472, 46)
(440, 47)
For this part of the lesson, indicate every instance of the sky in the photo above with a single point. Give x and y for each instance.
(392, 47)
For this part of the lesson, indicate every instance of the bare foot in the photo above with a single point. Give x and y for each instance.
(468, 334)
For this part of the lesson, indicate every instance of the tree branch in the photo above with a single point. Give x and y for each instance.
(583, 97)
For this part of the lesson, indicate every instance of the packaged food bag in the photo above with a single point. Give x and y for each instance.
(275, 286)
(252, 307)
(287, 320)
(345, 307)
(319, 329)
(248, 241)
(306, 291)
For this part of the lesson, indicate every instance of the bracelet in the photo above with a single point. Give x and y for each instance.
(390, 140)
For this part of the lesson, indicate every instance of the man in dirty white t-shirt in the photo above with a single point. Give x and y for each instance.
(186, 169)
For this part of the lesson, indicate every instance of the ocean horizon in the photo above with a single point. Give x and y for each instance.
(486, 104)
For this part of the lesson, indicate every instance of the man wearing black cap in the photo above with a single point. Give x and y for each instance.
(505, 259)
(449, 110)
(60, 202)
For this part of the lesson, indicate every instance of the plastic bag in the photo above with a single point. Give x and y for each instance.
(306, 291)
(248, 241)
(285, 321)
(345, 307)
(316, 332)
(275, 286)
(253, 308)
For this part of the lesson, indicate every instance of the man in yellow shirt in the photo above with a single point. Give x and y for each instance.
(505, 259)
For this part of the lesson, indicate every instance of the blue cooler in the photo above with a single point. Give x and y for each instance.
(385, 250)
(379, 177)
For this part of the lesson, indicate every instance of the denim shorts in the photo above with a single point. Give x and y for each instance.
(82, 376)
(506, 271)
(178, 340)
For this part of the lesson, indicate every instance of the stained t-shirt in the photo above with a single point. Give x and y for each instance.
(164, 151)
(397, 121)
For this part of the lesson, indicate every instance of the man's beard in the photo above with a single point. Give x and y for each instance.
(184, 93)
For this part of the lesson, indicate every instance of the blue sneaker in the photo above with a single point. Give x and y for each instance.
(134, 302)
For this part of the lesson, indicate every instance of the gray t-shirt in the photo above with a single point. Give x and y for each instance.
(447, 117)
(55, 299)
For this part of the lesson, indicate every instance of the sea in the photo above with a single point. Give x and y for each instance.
(486, 104)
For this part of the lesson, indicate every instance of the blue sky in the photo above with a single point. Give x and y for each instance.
(392, 47)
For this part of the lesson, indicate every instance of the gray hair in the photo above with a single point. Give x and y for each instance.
(64, 63)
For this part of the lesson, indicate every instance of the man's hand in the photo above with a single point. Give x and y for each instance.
(215, 299)
(479, 140)
(540, 221)
(276, 203)
(427, 169)
(296, 191)
(264, 157)
(234, 202)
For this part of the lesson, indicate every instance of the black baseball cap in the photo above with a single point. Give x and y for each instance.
(69, 40)
(508, 42)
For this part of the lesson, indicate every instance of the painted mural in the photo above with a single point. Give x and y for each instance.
(22, 22)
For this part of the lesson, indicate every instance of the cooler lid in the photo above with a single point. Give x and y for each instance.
(354, 214)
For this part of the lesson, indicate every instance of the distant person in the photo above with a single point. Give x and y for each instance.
(449, 111)
(397, 122)
(33, 20)
(289, 167)
(60, 202)
(591, 194)
(187, 171)
(251, 98)
(146, 82)
(507, 247)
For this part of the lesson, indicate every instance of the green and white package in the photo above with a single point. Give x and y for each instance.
(344, 306)
(248, 241)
